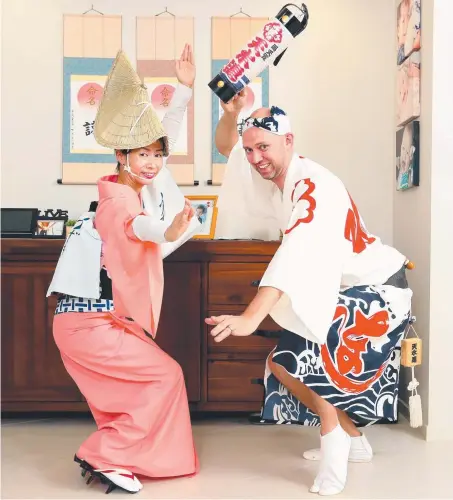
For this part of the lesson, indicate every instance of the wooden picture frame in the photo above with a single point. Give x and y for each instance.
(205, 207)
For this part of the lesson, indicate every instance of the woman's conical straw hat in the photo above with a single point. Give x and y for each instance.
(126, 118)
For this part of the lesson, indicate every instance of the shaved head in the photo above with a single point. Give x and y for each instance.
(261, 113)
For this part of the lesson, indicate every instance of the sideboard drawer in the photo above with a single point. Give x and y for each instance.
(233, 283)
(232, 380)
(262, 341)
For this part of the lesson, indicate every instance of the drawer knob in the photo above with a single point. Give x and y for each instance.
(269, 334)
(255, 283)
(257, 381)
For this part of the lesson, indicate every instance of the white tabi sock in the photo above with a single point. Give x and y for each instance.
(361, 451)
(333, 469)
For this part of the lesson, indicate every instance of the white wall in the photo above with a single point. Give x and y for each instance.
(423, 227)
(412, 215)
(336, 81)
(441, 320)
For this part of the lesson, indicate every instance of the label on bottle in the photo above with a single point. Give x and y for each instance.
(258, 53)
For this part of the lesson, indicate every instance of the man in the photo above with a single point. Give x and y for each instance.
(338, 292)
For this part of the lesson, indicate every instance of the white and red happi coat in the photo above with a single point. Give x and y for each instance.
(342, 324)
(325, 248)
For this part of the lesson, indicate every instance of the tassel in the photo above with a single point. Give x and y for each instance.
(411, 355)
(415, 403)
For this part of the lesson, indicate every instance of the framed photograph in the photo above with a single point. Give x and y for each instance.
(408, 28)
(408, 90)
(408, 156)
(50, 227)
(206, 212)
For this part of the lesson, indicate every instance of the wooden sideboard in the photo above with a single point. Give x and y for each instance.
(202, 278)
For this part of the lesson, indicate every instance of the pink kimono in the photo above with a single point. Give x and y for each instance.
(135, 391)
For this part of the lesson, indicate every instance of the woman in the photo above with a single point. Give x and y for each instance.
(135, 391)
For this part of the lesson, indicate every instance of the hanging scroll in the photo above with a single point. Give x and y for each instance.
(91, 43)
(229, 35)
(160, 41)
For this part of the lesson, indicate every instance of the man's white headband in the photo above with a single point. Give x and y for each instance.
(278, 123)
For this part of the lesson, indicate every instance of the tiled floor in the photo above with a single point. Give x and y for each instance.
(238, 460)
